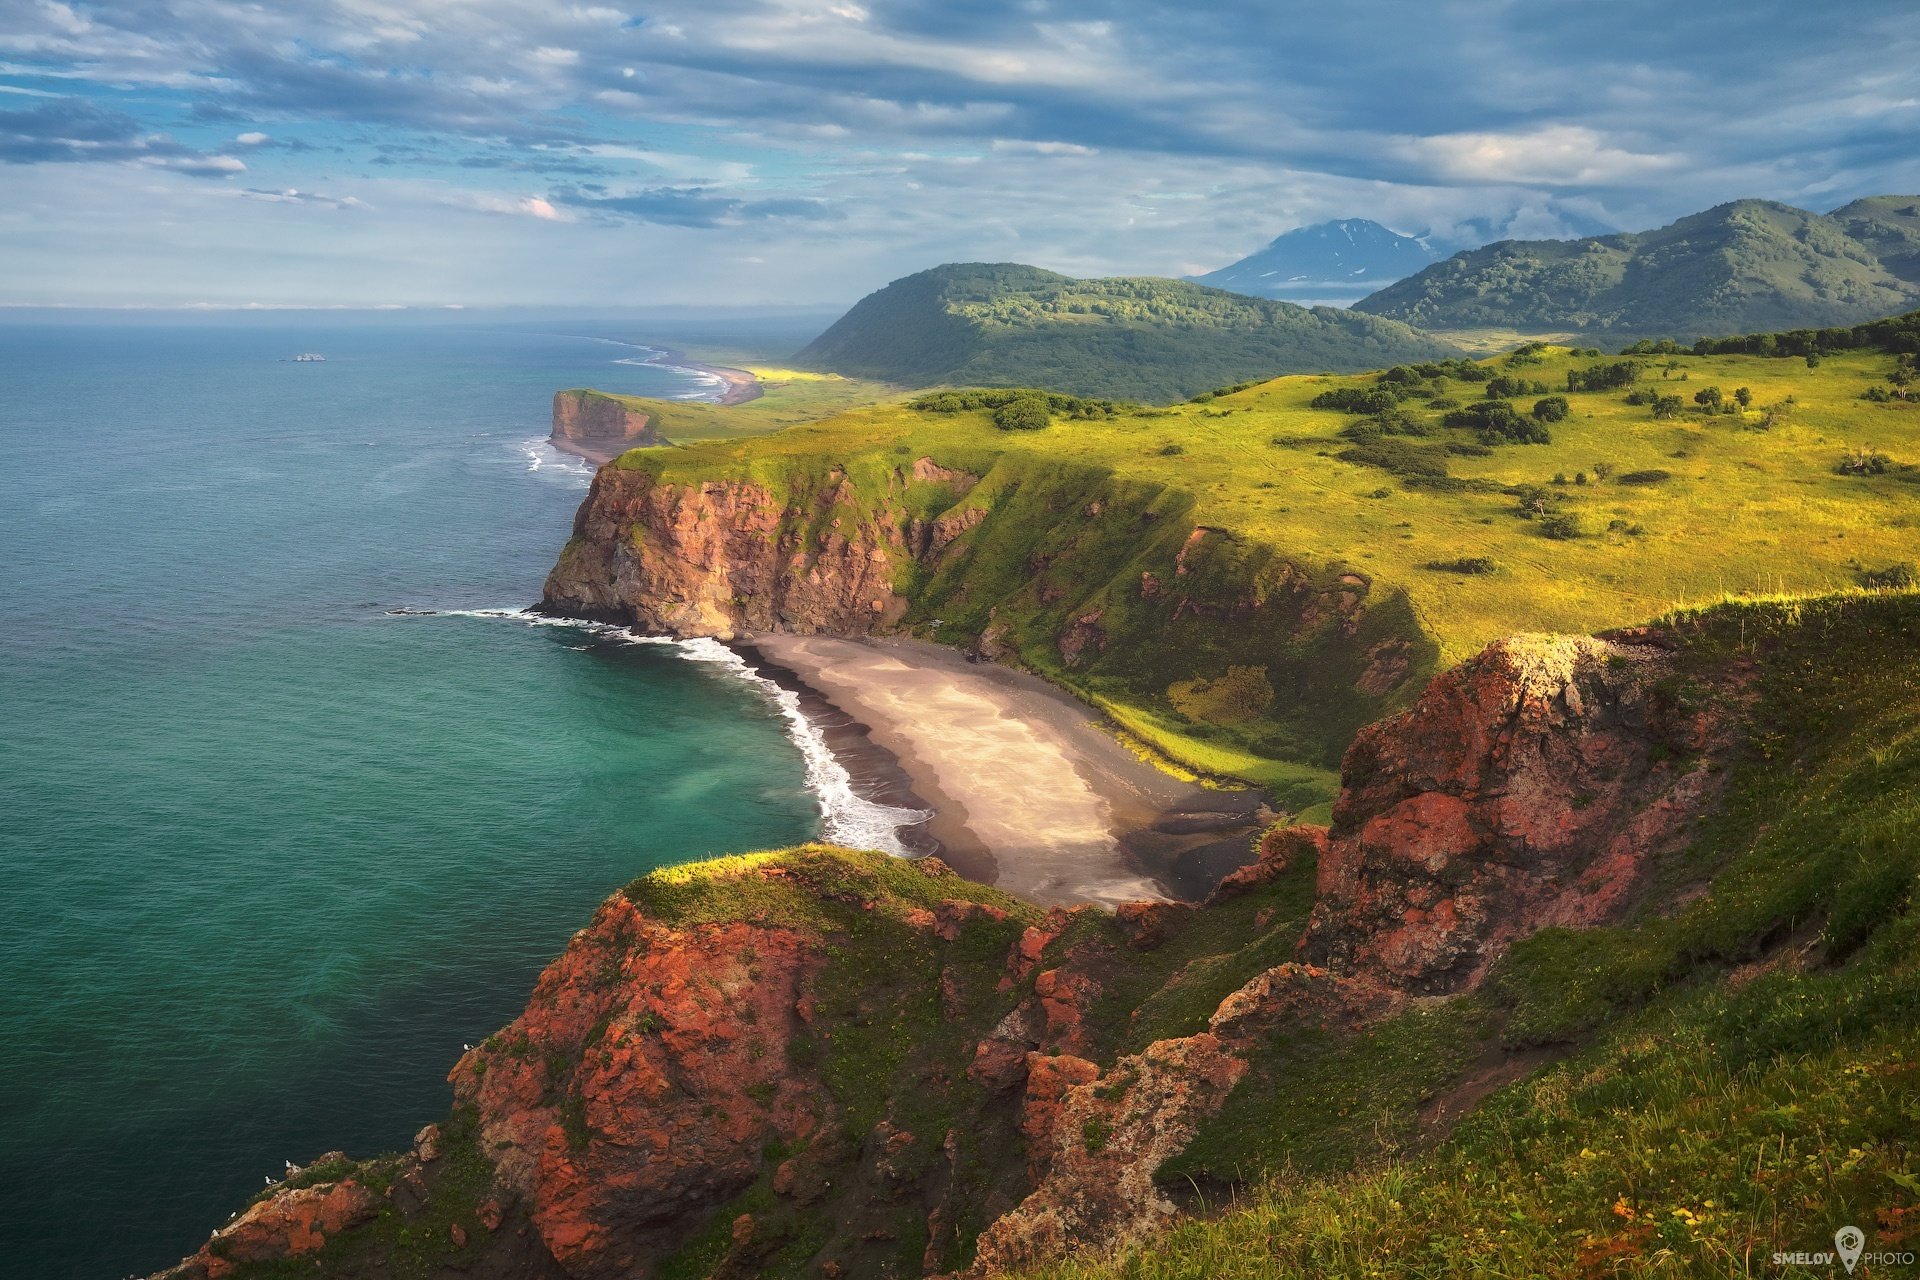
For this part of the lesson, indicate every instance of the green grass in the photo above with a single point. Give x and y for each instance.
(788, 396)
(1739, 1076)
(1752, 505)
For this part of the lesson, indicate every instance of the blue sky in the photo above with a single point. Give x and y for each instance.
(490, 152)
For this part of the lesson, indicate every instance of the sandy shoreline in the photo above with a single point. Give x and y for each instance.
(742, 386)
(1028, 792)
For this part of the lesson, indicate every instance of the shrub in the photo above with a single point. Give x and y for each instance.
(1667, 406)
(1604, 377)
(1894, 576)
(1551, 409)
(1503, 387)
(1498, 421)
(1356, 400)
(1023, 413)
(1562, 526)
(1864, 462)
(1064, 406)
(1708, 398)
(1465, 564)
(1171, 450)
(1652, 475)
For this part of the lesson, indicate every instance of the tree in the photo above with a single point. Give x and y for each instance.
(1708, 398)
(1551, 409)
(1743, 396)
(1667, 406)
(1023, 413)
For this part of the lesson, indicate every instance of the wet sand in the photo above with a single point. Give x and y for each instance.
(1028, 791)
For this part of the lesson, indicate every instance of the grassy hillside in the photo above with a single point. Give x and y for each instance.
(1699, 1087)
(1737, 268)
(1619, 516)
(787, 396)
(1003, 325)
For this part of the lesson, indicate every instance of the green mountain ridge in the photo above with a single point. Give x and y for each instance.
(1736, 268)
(1138, 338)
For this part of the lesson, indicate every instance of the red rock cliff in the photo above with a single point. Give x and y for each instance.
(599, 427)
(872, 1068)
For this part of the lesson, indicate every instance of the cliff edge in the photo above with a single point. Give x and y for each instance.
(599, 427)
(817, 1062)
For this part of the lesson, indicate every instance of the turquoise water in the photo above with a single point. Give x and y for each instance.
(269, 854)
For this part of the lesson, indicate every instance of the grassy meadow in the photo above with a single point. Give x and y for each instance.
(787, 397)
(1464, 535)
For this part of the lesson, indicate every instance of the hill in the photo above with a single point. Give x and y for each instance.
(1737, 268)
(1245, 580)
(1331, 262)
(1007, 325)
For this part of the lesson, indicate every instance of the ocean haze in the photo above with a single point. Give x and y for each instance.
(272, 853)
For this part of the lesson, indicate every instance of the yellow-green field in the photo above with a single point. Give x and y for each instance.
(1748, 508)
(787, 397)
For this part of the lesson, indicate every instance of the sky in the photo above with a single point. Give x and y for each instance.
(476, 153)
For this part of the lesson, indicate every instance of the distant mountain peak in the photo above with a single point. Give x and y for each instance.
(1333, 262)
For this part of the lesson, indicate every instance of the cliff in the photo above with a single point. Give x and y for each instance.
(1102, 584)
(820, 1062)
(600, 427)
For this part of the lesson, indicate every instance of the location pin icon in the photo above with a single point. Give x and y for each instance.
(1850, 1241)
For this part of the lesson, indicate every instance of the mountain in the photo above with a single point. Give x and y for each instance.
(1327, 262)
(1736, 268)
(1137, 338)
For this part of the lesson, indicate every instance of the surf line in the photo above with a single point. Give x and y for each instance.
(846, 817)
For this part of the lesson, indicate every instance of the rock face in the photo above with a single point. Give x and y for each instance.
(599, 427)
(1061, 566)
(643, 1081)
(873, 1068)
(727, 557)
(1529, 786)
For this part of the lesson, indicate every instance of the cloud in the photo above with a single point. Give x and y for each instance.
(293, 195)
(845, 141)
(74, 131)
(695, 206)
(1556, 155)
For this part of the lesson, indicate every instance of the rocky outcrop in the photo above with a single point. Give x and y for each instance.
(644, 1080)
(847, 1060)
(599, 427)
(1063, 567)
(1530, 786)
(1103, 1136)
(728, 557)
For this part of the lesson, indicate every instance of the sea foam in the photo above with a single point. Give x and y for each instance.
(846, 817)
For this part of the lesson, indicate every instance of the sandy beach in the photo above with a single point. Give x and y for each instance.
(742, 386)
(1027, 790)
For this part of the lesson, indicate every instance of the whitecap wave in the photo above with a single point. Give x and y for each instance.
(846, 817)
(542, 456)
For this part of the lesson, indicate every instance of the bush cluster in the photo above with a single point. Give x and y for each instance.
(1058, 405)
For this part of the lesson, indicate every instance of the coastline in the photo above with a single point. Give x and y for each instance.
(737, 386)
(1027, 790)
(741, 384)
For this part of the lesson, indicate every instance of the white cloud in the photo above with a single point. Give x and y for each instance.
(1555, 155)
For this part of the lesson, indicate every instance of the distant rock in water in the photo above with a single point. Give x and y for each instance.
(599, 427)
(1331, 262)
(1002, 324)
(1743, 267)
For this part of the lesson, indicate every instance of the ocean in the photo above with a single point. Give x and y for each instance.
(292, 805)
